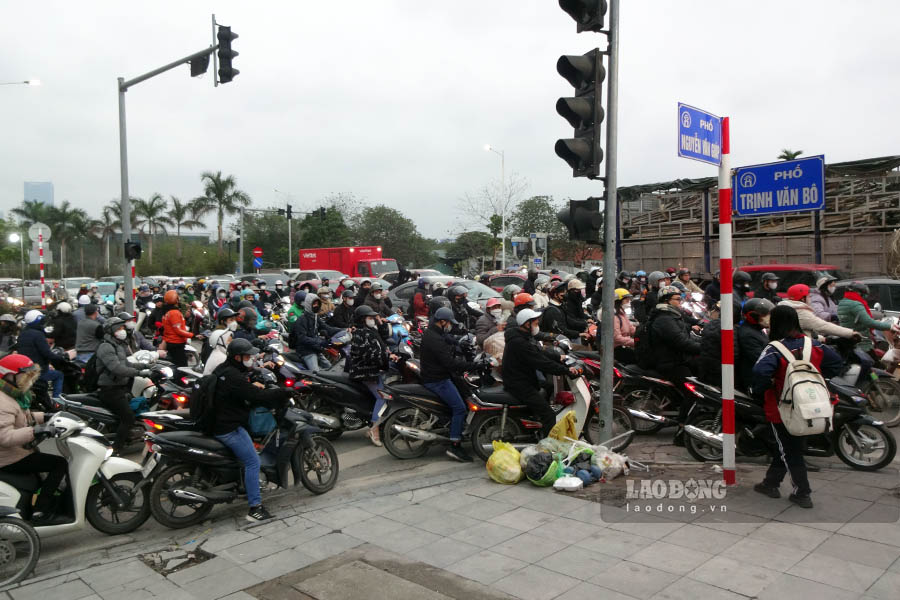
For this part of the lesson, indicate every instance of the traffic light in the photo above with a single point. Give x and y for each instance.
(290, 214)
(199, 66)
(132, 250)
(588, 14)
(280, 212)
(226, 54)
(583, 220)
(321, 213)
(584, 112)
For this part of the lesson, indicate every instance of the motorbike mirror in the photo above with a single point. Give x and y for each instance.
(697, 297)
(877, 307)
(151, 305)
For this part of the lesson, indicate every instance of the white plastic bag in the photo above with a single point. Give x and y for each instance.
(527, 453)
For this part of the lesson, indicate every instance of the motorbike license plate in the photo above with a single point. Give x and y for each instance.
(150, 464)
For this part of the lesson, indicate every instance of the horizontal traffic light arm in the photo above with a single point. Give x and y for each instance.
(182, 61)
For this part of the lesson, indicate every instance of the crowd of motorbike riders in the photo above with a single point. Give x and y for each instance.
(515, 328)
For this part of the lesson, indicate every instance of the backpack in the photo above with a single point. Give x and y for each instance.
(205, 350)
(805, 405)
(643, 350)
(90, 379)
(203, 396)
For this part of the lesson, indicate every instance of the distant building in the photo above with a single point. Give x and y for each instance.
(41, 191)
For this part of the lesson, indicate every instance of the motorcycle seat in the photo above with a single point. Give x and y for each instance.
(497, 395)
(27, 482)
(586, 354)
(413, 389)
(195, 439)
(636, 370)
(87, 399)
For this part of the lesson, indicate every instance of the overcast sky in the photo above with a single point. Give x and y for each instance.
(393, 101)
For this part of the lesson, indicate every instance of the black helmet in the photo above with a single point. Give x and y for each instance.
(860, 288)
(445, 314)
(457, 290)
(240, 346)
(299, 297)
(125, 316)
(364, 311)
(348, 294)
(224, 313)
(769, 277)
(684, 271)
(741, 280)
(756, 308)
(112, 323)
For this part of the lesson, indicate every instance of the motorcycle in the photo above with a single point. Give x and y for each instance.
(647, 391)
(622, 422)
(21, 547)
(881, 388)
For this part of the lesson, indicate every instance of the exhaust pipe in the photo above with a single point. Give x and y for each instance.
(325, 420)
(187, 496)
(418, 434)
(702, 435)
(645, 416)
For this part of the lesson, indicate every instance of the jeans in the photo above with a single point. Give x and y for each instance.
(56, 378)
(239, 442)
(448, 393)
(314, 362)
(788, 457)
(83, 357)
(374, 385)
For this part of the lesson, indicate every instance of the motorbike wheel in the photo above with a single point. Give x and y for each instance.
(697, 449)
(649, 401)
(622, 422)
(20, 548)
(317, 465)
(102, 513)
(169, 512)
(399, 446)
(487, 429)
(883, 395)
(875, 438)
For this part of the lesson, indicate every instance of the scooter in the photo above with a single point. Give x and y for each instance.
(648, 391)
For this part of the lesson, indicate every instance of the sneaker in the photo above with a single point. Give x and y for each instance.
(801, 501)
(374, 436)
(257, 514)
(765, 490)
(456, 452)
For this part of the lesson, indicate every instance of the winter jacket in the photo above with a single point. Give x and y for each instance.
(420, 308)
(112, 363)
(88, 335)
(437, 358)
(368, 354)
(769, 371)
(710, 360)
(767, 294)
(669, 339)
(750, 341)
(268, 296)
(307, 331)
(576, 319)
(64, 327)
(378, 305)
(852, 314)
(554, 321)
(218, 341)
(465, 315)
(215, 304)
(823, 306)
(522, 359)
(485, 327)
(712, 293)
(541, 300)
(623, 331)
(814, 326)
(591, 285)
(33, 344)
(342, 316)
(528, 285)
(691, 287)
(235, 396)
(174, 331)
(16, 425)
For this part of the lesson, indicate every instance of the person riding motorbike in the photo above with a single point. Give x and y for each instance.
(420, 299)
(33, 344)
(522, 359)
(489, 323)
(280, 290)
(188, 295)
(751, 339)
(267, 296)
(375, 299)
(552, 318)
(623, 328)
(83, 301)
(296, 309)
(684, 276)
(136, 340)
(324, 294)
(854, 313)
(365, 286)
(220, 338)
(88, 334)
(508, 295)
(709, 363)
(20, 429)
(821, 299)
(175, 334)
(595, 275)
(810, 323)
(144, 296)
(541, 285)
(573, 309)
(233, 400)
(438, 366)
(672, 346)
(459, 304)
(217, 301)
(656, 280)
(768, 288)
(343, 315)
(64, 326)
(369, 355)
(8, 330)
(528, 286)
(307, 333)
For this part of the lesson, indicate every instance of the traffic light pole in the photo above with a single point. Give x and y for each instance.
(610, 226)
(240, 269)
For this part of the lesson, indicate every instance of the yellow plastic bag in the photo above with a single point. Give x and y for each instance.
(565, 428)
(503, 465)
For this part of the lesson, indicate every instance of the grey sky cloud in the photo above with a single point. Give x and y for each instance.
(394, 100)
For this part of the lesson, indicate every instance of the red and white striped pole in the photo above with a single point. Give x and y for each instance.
(725, 279)
(41, 253)
(133, 292)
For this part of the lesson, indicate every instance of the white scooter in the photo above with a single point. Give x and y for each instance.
(102, 489)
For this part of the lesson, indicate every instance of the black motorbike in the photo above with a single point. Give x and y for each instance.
(648, 391)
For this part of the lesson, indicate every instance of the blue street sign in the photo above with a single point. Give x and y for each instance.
(537, 262)
(786, 186)
(257, 263)
(699, 135)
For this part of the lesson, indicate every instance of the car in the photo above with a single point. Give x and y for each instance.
(402, 295)
(391, 276)
(884, 294)
(298, 275)
(498, 282)
(269, 278)
(790, 274)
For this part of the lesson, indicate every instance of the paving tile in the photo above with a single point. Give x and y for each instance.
(885, 478)
(829, 512)
(691, 589)
(835, 572)
(443, 552)
(523, 519)
(589, 512)
(448, 524)
(520, 495)
(56, 589)
(226, 540)
(535, 583)
(485, 535)
(338, 518)
(656, 529)
(859, 551)
(579, 562)
(672, 559)
(484, 509)
(359, 580)
(106, 577)
(852, 490)
(371, 529)
(329, 545)
(221, 584)
(483, 488)
(735, 576)
(883, 533)
(558, 503)
(703, 539)
(382, 504)
(213, 565)
(405, 539)
(614, 543)
(633, 579)
(529, 547)
(299, 533)
(278, 564)
(413, 514)
(566, 529)
(788, 586)
(789, 534)
(448, 501)
(887, 587)
(766, 554)
(589, 591)
(731, 522)
(487, 567)
(252, 550)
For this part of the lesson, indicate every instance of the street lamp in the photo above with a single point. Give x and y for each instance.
(26, 82)
(13, 238)
(489, 148)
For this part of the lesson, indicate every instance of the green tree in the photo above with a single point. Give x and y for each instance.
(331, 231)
(537, 214)
(268, 231)
(471, 244)
(220, 195)
(82, 229)
(31, 212)
(63, 220)
(151, 215)
(104, 228)
(789, 154)
(398, 237)
(184, 214)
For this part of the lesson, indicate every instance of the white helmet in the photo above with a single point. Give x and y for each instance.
(84, 300)
(526, 315)
(64, 307)
(33, 315)
(279, 282)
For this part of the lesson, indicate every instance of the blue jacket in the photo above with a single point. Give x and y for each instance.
(33, 344)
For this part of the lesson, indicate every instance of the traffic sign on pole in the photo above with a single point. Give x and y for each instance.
(699, 135)
(786, 186)
(257, 263)
(257, 252)
(37, 230)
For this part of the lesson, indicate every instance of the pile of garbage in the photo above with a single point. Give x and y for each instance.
(557, 460)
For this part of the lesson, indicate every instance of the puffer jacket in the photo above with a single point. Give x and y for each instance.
(669, 338)
(112, 363)
(750, 342)
(368, 354)
(824, 307)
(307, 332)
(623, 331)
(522, 359)
(64, 327)
(853, 315)
(485, 327)
(16, 424)
(710, 361)
(554, 321)
(812, 325)
(379, 305)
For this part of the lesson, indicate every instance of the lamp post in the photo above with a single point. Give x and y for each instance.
(286, 204)
(13, 238)
(26, 82)
(490, 148)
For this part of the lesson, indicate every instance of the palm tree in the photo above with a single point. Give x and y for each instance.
(105, 227)
(81, 227)
(183, 215)
(789, 154)
(32, 212)
(61, 224)
(220, 194)
(151, 213)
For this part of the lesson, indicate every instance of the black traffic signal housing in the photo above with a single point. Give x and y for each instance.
(226, 71)
(588, 14)
(584, 112)
(199, 66)
(584, 220)
(132, 250)
(321, 213)
(280, 212)
(290, 214)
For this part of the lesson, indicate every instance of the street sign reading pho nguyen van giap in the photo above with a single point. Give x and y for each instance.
(781, 187)
(699, 135)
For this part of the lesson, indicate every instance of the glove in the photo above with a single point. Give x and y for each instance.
(44, 430)
(145, 373)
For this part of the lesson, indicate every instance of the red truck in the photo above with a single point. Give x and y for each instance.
(358, 261)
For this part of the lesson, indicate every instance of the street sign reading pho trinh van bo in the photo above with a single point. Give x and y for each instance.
(781, 187)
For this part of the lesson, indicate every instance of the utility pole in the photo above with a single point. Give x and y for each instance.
(240, 269)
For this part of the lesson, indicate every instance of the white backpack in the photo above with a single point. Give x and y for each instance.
(805, 405)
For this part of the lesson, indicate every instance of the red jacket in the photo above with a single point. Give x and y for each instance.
(174, 331)
(420, 309)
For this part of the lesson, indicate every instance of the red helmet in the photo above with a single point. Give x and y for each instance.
(15, 364)
(171, 297)
(492, 302)
(523, 298)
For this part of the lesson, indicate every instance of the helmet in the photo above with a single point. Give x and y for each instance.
(323, 290)
(8, 318)
(523, 299)
(144, 288)
(457, 290)
(83, 300)
(64, 307)
(437, 286)
(756, 308)
(348, 283)
(510, 291)
(244, 294)
(655, 277)
(860, 288)
(667, 291)
(33, 316)
(798, 291)
(246, 315)
(541, 282)
(741, 280)
(125, 316)
(492, 302)
(112, 323)
(240, 346)
(557, 287)
(12, 364)
(769, 277)
(576, 284)
(348, 294)
(680, 286)
(171, 297)
(421, 284)
(364, 311)
(823, 281)
(640, 273)
(670, 270)
(376, 286)
(626, 275)
(224, 313)
(622, 293)
(527, 315)
(299, 297)
(444, 314)
(279, 282)
(683, 271)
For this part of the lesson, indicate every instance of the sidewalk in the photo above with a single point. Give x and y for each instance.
(459, 535)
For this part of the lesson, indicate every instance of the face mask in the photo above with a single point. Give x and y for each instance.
(248, 362)
(376, 295)
(232, 326)
(496, 314)
(279, 287)
(628, 310)
(448, 327)
(130, 325)
(535, 329)
(348, 301)
(370, 322)
(831, 289)
(120, 334)
(222, 296)
(326, 296)
(773, 285)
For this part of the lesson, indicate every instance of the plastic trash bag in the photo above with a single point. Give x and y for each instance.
(554, 446)
(611, 463)
(527, 453)
(503, 464)
(568, 484)
(565, 428)
(543, 469)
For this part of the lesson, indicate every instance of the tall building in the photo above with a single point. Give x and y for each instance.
(42, 191)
